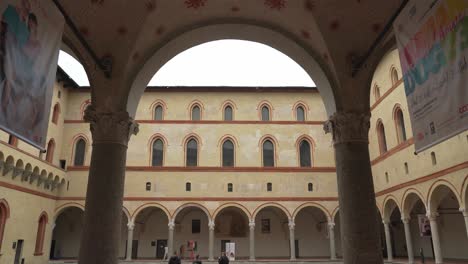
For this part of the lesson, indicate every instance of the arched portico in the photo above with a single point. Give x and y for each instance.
(231, 224)
(66, 234)
(394, 230)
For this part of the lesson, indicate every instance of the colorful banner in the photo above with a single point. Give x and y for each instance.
(30, 39)
(432, 38)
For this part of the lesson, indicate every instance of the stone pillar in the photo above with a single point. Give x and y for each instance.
(331, 234)
(435, 237)
(104, 197)
(360, 229)
(170, 239)
(465, 215)
(252, 240)
(388, 240)
(131, 227)
(211, 227)
(409, 242)
(292, 240)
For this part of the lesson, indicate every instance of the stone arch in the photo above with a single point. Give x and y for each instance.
(235, 205)
(281, 40)
(389, 205)
(314, 205)
(438, 191)
(147, 205)
(67, 231)
(41, 229)
(9, 165)
(464, 192)
(410, 197)
(84, 105)
(272, 204)
(187, 205)
(66, 206)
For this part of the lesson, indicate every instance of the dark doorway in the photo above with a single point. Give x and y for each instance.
(296, 243)
(160, 245)
(19, 251)
(134, 249)
(52, 250)
(223, 245)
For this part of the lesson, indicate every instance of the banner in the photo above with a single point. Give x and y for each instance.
(432, 39)
(30, 38)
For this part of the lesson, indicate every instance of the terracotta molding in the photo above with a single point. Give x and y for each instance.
(393, 151)
(31, 155)
(431, 176)
(215, 122)
(386, 94)
(218, 89)
(216, 169)
(26, 190)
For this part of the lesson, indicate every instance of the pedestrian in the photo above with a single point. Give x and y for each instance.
(223, 259)
(174, 259)
(197, 260)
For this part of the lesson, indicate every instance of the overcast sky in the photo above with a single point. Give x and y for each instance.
(217, 63)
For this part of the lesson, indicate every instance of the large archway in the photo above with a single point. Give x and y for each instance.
(392, 217)
(272, 233)
(311, 227)
(66, 235)
(232, 225)
(306, 57)
(150, 236)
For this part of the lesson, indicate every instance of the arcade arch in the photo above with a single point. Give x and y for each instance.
(150, 225)
(312, 234)
(232, 225)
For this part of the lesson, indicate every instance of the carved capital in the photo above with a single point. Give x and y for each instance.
(348, 127)
(252, 225)
(464, 212)
(331, 225)
(171, 225)
(110, 127)
(405, 220)
(211, 225)
(291, 224)
(131, 226)
(432, 216)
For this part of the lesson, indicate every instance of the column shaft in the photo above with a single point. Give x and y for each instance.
(292, 240)
(331, 233)
(211, 245)
(360, 229)
(465, 215)
(252, 241)
(129, 242)
(435, 238)
(409, 242)
(170, 239)
(388, 240)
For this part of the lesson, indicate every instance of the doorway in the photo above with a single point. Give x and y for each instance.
(223, 245)
(160, 248)
(134, 249)
(52, 250)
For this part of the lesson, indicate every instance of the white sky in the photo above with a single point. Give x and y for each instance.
(217, 63)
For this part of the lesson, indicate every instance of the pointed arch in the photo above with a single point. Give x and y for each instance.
(41, 228)
(80, 147)
(192, 110)
(224, 110)
(157, 146)
(399, 120)
(265, 111)
(83, 107)
(394, 75)
(296, 111)
(56, 113)
(154, 108)
(192, 144)
(228, 151)
(268, 152)
(4, 215)
(299, 150)
(50, 150)
(377, 93)
(382, 140)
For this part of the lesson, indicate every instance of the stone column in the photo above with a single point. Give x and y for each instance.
(331, 234)
(131, 227)
(104, 197)
(292, 240)
(388, 240)
(409, 242)
(252, 240)
(170, 239)
(435, 237)
(211, 227)
(465, 215)
(360, 229)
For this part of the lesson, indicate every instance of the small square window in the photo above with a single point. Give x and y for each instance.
(188, 187)
(148, 186)
(229, 187)
(269, 187)
(196, 226)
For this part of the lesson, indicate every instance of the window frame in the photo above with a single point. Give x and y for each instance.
(233, 153)
(163, 151)
(197, 151)
(156, 106)
(56, 113)
(50, 151)
(400, 126)
(381, 137)
(311, 151)
(75, 149)
(40, 236)
(263, 152)
(224, 112)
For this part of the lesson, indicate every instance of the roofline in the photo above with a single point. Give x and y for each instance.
(229, 89)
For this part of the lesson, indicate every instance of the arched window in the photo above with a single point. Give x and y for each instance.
(158, 113)
(158, 153)
(228, 113)
(3, 217)
(41, 228)
(50, 151)
(300, 114)
(394, 76)
(196, 113)
(310, 187)
(12, 140)
(230, 188)
(80, 150)
(269, 187)
(85, 105)
(381, 138)
(376, 92)
(305, 154)
(268, 154)
(265, 113)
(56, 113)
(228, 154)
(400, 126)
(188, 187)
(191, 153)
(433, 158)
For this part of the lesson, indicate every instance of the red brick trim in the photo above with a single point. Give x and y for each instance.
(386, 94)
(26, 190)
(392, 151)
(222, 89)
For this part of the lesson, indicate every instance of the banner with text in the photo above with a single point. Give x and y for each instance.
(30, 39)
(432, 39)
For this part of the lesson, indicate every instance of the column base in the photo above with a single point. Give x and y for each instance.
(211, 259)
(251, 259)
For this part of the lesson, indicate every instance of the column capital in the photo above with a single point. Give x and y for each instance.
(406, 220)
(432, 215)
(211, 225)
(171, 225)
(348, 127)
(110, 127)
(252, 225)
(464, 211)
(386, 222)
(331, 225)
(131, 225)
(291, 224)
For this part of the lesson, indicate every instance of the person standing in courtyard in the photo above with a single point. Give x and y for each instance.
(223, 259)
(174, 259)
(197, 260)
